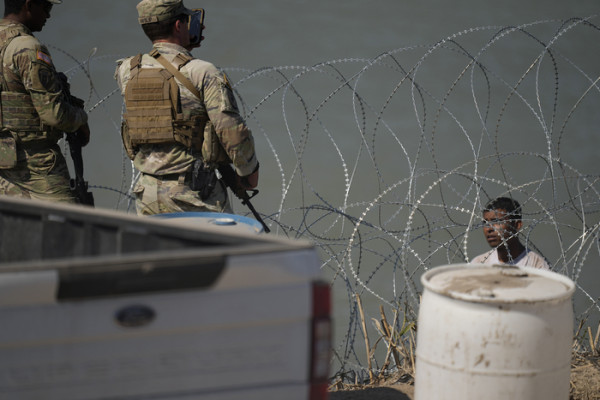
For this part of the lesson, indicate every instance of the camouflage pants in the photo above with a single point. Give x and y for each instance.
(39, 174)
(159, 196)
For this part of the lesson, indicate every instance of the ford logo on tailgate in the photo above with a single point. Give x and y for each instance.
(135, 316)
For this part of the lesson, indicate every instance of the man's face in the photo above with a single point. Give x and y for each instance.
(39, 13)
(499, 227)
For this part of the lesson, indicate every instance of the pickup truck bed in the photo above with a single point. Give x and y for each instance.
(103, 305)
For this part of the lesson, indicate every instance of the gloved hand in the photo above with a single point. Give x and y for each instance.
(64, 81)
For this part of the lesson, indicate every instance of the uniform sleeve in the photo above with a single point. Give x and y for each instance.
(41, 81)
(122, 74)
(234, 135)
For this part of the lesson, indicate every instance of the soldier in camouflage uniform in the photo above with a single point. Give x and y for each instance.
(35, 108)
(216, 132)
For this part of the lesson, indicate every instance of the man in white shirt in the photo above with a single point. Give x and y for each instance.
(502, 218)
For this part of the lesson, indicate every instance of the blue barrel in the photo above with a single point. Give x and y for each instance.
(227, 221)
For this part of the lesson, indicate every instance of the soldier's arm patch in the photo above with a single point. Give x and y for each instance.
(46, 79)
(44, 57)
(43, 78)
(228, 102)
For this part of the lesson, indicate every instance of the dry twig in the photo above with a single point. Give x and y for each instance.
(367, 345)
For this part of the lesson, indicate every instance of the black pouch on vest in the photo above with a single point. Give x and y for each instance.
(8, 152)
(204, 179)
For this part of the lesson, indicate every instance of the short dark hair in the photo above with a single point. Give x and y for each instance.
(511, 206)
(161, 29)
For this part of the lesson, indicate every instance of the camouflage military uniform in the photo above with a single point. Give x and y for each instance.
(35, 112)
(164, 185)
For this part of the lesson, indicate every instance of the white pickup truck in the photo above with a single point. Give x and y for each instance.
(96, 304)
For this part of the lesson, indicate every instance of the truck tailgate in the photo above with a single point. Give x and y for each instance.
(231, 320)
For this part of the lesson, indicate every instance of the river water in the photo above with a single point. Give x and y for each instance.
(383, 126)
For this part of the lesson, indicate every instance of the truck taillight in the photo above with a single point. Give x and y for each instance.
(321, 341)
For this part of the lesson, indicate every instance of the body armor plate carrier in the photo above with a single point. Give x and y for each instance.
(154, 112)
(17, 112)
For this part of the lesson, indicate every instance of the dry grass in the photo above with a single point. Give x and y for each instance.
(585, 365)
(585, 377)
(401, 345)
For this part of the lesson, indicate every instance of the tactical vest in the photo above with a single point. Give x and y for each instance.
(154, 113)
(17, 112)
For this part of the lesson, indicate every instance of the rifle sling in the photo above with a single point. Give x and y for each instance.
(178, 75)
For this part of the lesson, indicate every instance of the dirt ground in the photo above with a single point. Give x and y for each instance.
(585, 385)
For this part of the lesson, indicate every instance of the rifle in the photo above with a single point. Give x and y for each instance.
(78, 184)
(229, 177)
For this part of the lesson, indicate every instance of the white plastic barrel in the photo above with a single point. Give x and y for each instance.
(494, 332)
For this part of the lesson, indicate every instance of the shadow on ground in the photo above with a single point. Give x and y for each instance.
(379, 393)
